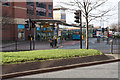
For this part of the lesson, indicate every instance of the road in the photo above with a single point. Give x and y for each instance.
(102, 46)
(109, 70)
(93, 44)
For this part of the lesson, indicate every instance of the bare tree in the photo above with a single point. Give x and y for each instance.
(114, 27)
(7, 18)
(91, 10)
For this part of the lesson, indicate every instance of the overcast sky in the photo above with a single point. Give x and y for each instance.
(112, 19)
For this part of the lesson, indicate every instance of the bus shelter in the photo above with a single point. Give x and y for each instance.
(47, 28)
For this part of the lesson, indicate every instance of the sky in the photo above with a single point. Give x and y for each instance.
(111, 19)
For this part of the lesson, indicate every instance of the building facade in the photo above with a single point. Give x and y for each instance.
(14, 15)
(59, 13)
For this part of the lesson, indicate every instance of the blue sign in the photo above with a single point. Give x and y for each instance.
(44, 29)
(21, 26)
(38, 29)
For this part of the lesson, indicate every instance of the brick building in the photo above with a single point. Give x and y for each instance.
(15, 14)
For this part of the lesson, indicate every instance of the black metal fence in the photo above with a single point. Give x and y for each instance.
(15, 46)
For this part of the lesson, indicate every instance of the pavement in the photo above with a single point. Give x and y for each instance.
(39, 45)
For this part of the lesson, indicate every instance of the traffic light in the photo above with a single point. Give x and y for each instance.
(27, 25)
(106, 29)
(77, 16)
(33, 24)
(102, 30)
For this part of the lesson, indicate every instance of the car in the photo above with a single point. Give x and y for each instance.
(117, 33)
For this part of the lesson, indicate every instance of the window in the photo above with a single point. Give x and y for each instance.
(50, 7)
(6, 4)
(31, 12)
(63, 16)
(41, 5)
(50, 10)
(30, 8)
(40, 13)
(50, 14)
(41, 9)
(30, 3)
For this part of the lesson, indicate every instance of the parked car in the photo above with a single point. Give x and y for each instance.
(117, 33)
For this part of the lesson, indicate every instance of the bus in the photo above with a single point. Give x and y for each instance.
(76, 35)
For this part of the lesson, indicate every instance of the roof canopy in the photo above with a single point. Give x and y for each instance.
(53, 21)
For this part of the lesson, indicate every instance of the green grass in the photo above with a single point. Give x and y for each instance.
(37, 55)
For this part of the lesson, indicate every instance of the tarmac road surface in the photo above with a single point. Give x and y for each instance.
(109, 70)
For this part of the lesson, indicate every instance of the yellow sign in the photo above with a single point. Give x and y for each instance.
(31, 38)
(82, 36)
(46, 25)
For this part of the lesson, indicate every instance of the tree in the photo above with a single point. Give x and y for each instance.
(91, 10)
(7, 19)
(114, 27)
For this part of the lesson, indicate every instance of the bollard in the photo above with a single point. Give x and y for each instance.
(111, 46)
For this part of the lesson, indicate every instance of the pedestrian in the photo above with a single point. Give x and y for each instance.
(51, 42)
(38, 36)
(55, 41)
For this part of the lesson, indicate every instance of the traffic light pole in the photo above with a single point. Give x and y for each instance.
(30, 34)
(78, 17)
(34, 40)
(80, 29)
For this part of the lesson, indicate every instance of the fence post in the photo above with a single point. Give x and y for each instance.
(16, 44)
(111, 46)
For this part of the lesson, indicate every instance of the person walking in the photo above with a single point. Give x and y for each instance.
(51, 42)
(55, 41)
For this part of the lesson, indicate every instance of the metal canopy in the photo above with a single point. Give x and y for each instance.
(43, 21)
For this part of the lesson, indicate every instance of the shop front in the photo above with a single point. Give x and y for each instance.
(44, 32)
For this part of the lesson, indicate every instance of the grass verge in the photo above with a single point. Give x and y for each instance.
(37, 55)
